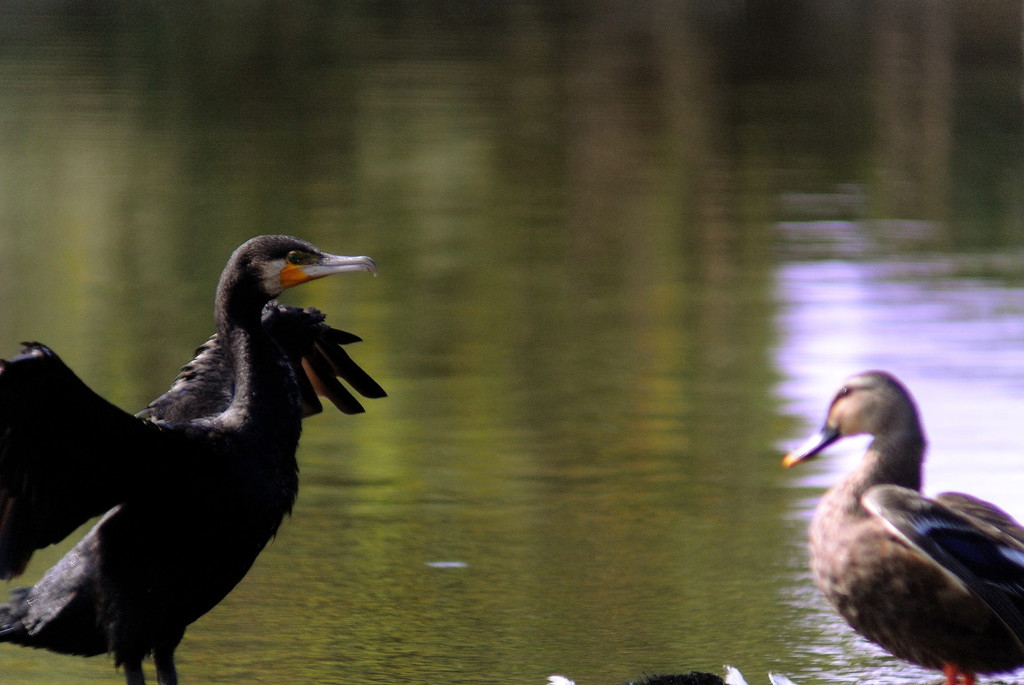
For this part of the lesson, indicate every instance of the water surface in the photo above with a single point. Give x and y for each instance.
(626, 256)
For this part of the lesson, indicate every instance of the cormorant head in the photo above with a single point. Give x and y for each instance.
(280, 262)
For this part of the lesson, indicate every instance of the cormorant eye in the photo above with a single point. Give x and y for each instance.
(297, 257)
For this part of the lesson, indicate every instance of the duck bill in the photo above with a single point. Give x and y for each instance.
(327, 265)
(814, 444)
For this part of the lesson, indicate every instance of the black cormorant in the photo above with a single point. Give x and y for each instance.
(193, 488)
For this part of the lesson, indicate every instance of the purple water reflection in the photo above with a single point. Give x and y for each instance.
(958, 344)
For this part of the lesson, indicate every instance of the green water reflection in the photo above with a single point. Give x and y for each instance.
(575, 213)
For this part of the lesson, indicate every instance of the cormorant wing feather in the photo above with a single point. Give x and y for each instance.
(66, 454)
(316, 354)
(204, 386)
(343, 366)
(965, 541)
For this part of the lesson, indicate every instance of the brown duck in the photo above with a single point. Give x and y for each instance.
(936, 582)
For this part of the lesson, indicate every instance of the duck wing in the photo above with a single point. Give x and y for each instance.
(66, 454)
(966, 537)
(988, 517)
(204, 386)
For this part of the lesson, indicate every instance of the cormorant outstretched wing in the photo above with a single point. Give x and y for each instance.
(66, 454)
(205, 386)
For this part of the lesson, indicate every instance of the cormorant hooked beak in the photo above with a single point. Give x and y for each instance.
(303, 267)
(814, 444)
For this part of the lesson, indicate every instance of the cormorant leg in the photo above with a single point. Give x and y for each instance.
(133, 673)
(163, 659)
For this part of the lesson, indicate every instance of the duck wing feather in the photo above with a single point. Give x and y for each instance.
(964, 536)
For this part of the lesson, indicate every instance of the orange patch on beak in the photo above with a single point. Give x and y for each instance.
(292, 275)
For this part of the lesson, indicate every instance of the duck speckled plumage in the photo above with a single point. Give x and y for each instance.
(936, 582)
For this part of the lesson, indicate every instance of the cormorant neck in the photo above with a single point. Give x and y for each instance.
(263, 384)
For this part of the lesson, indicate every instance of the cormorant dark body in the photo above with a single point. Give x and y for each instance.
(192, 489)
(205, 385)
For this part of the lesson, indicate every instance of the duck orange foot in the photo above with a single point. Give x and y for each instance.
(955, 676)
